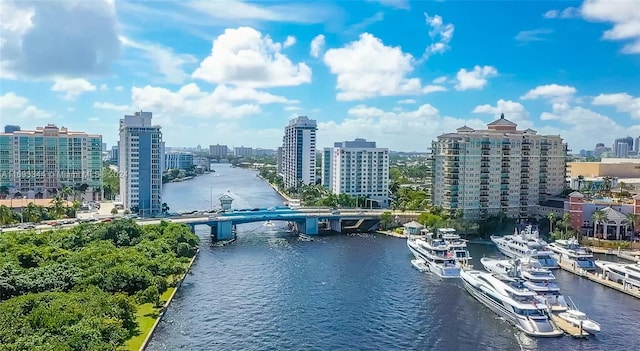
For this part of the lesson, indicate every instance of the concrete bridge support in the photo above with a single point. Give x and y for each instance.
(224, 230)
(309, 226)
(335, 225)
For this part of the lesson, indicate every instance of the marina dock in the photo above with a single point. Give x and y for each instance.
(600, 279)
(568, 328)
(633, 256)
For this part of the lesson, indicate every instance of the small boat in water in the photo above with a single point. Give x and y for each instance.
(580, 320)
(420, 265)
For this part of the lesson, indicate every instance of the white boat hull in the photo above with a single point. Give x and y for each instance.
(588, 325)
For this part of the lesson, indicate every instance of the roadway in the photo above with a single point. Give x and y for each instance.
(104, 214)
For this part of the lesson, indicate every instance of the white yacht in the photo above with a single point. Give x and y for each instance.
(526, 243)
(534, 277)
(457, 246)
(620, 272)
(512, 301)
(580, 320)
(420, 265)
(571, 252)
(436, 255)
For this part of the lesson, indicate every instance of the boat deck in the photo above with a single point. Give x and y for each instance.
(598, 278)
(568, 328)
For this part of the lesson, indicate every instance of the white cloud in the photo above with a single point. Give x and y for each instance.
(191, 102)
(111, 106)
(104, 87)
(290, 41)
(17, 108)
(317, 45)
(552, 92)
(625, 16)
(439, 80)
(407, 101)
(569, 12)
(513, 111)
(404, 130)
(166, 62)
(118, 88)
(440, 33)
(72, 88)
(361, 26)
(526, 36)
(244, 57)
(33, 30)
(292, 108)
(93, 119)
(622, 101)
(475, 79)
(384, 74)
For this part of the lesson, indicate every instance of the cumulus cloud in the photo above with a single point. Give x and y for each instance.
(384, 74)
(475, 79)
(401, 130)
(514, 111)
(441, 34)
(407, 101)
(245, 57)
(17, 108)
(552, 92)
(72, 88)
(569, 12)
(290, 41)
(623, 14)
(623, 102)
(51, 39)
(317, 45)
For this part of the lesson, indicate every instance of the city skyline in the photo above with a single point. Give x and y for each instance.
(568, 68)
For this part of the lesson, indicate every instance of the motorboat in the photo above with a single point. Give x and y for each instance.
(533, 276)
(570, 251)
(526, 243)
(435, 253)
(510, 299)
(420, 265)
(457, 246)
(621, 273)
(580, 320)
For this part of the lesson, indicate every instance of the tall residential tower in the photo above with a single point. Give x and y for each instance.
(140, 164)
(500, 169)
(357, 168)
(299, 152)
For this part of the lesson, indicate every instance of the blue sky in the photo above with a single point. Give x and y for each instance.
(397, 72)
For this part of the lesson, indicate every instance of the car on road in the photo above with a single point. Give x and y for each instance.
(26, 226)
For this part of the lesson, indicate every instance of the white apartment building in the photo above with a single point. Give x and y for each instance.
(299, 152)
(500, 169)
(140, 164)
(242, 151)
(38, 163)
(218, 151)
(357, 168)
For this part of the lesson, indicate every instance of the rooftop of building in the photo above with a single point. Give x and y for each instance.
(500, 127)
(303, 121)
(51, 130)
(356, 143)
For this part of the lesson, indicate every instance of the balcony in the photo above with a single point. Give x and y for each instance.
(485, 153)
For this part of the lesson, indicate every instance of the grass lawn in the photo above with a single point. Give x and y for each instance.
(145, 318)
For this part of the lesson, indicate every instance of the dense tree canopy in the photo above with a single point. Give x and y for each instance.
(76, 289)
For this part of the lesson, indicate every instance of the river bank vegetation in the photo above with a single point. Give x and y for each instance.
(79, 288)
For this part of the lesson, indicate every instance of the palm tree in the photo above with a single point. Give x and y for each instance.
(65, 192)
(58, 207)
(633, 219)
(599, 217)
(552, 217)
(566, 219)
(580, 182)
(6, 215)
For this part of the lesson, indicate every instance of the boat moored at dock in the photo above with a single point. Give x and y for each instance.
(526, 243)
(436, 255)
(580, 320)
(457, 246)
(511, 300)
(571, 252)
(626, 274)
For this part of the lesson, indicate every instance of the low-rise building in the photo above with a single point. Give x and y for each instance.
(178, 160)
(615, 225)
(607, 167)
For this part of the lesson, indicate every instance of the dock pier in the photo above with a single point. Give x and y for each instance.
(601, 279)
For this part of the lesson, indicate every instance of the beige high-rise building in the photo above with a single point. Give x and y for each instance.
(500, 169)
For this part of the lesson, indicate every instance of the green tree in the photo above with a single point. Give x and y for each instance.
(386, 218)
(6, 215)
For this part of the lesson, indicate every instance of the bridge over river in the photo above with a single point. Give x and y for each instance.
(305, 220)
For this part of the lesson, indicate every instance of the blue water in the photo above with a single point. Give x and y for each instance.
(269, 291)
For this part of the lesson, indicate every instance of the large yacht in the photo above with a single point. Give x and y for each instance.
(571, 252)
(511, 300)
(621, 273)
(457, 246)
(436, 255)
(526, 243)
(534, 277)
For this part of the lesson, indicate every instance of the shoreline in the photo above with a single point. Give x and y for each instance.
(145, 343)
(281, 193)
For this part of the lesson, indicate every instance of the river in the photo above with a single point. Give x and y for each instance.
(268, 291)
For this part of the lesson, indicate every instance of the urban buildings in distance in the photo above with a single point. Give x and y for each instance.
(500, 169)
(140, 164)
(38, 163)
(298, 160)
(357, 168)
(178, 160)
(218, 151)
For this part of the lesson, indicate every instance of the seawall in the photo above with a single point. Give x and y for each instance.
(166, 304)
(280, 192)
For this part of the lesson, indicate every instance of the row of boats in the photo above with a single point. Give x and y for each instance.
(521, 289)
